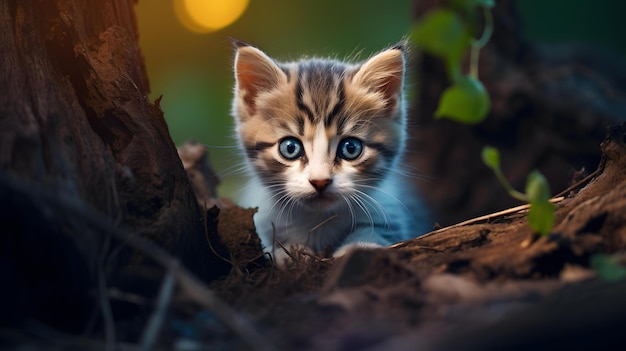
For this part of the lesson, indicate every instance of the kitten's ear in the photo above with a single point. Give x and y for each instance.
(255, 72)
(384, 73)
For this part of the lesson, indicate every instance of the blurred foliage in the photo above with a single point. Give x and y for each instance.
(607, 267)
(449, 33)
(541, 212)
(465, 101)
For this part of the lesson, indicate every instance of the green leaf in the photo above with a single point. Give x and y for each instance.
(491, 157)
(541, 212)
(606, 267)
(541, 217)
(444, 34)
(537, 188)
(466, 101)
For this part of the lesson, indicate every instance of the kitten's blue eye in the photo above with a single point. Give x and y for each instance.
(349, 149)
(290, 148)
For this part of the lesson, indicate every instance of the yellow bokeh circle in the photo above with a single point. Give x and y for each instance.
(203, 16)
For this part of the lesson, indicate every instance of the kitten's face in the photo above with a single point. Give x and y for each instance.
(319, 132)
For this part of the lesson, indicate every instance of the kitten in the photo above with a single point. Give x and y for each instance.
(323, 139)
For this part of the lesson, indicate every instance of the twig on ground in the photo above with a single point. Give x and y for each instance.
(136, 299)
(285, 249)
(322, 223)
(580, 183)
(151, 332)
(558, 198)
(477, 220)
(105, 305)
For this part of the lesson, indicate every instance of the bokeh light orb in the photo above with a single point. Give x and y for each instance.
(204, 16)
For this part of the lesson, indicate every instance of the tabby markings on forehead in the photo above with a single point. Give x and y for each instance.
(342, 121)
(299, 96)
(322, 81)
(300, 123)
(337, 109)
(283, 125)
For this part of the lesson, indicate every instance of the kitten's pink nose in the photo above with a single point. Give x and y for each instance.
(320, 184)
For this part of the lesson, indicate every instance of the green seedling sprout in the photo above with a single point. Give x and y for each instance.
(541, 211)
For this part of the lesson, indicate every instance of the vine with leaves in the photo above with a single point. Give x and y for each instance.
(449, 33)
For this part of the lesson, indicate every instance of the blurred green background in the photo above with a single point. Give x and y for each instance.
(193, 71)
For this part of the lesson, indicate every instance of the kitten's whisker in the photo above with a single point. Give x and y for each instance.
(209, 146)
(368, 181)
(237, 193)
(401, 203)
(351, 210)
(403, 171)
(289, 206)
(239, 168)
(280, 202)
(286, 205)
(363, 207)
(252, 186)
(376, 206)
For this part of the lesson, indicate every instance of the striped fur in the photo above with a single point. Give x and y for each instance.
(322, 201)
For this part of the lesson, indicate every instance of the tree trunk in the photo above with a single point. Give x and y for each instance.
(82, 153)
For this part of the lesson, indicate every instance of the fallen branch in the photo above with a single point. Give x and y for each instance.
(485, 218)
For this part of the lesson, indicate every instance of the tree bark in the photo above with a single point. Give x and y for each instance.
(75, 115)
(82, 153)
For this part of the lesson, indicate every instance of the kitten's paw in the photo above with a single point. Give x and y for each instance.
(344, 249)
(291, 254)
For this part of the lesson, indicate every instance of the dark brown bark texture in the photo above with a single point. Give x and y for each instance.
(82, 153)
(551, 106)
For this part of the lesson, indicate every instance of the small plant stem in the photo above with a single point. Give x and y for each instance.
(479, 43)
(487, 31)
(474, 55)
(507, 186)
